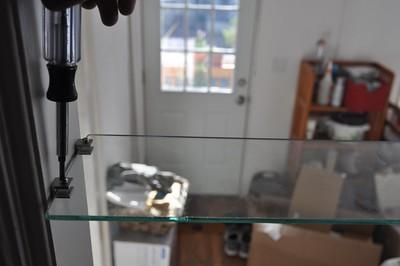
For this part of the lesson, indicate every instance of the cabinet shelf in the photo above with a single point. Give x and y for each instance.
(304, 106)
(327, 109)
(351, 179)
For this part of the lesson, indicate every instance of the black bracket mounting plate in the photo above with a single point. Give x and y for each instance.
(84, 146)
(61, 188)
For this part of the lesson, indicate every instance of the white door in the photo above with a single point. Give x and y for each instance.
(197, 65)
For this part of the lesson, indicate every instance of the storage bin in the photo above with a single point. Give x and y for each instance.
(359, 99)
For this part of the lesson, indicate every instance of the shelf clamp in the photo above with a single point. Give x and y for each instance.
(61, 188)
(84, 146)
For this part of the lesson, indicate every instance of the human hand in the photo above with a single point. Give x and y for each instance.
(108, 8)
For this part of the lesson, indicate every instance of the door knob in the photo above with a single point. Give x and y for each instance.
(242, 82)
(240, 100)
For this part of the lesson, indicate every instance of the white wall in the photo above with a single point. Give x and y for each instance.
(105, 76)
(287, 32)
(106, 105)
(371, 31)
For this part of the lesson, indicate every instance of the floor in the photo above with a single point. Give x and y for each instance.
(202, 245)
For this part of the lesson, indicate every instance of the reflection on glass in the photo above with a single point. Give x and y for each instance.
(197, 72)
(172, 71)
(225, 31)
(199, 23)
(222, 73)
(172, 29)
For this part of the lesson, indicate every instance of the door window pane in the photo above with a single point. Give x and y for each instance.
(225, 31)
(197, 72)
(172, 29)
(200, 2)
(172, 71)
(198, 45)
(222, 73)
(199, 23)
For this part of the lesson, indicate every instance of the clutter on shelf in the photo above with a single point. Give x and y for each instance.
(237, 239)
(326, 87)
(312, 244)
(144, 190)
(357, 88)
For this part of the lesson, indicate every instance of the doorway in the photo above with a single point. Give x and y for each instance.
(197, 65)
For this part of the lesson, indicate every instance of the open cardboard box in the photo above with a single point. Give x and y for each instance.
(316, 195)
(299, 246)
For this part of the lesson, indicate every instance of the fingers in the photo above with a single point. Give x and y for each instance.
(126, 7)
(108, 8)
(108, 11)
(56, 5)
(89, 4)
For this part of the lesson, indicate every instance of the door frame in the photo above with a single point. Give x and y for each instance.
(138, 78)
(25, 234)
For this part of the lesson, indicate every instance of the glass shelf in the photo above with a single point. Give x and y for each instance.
(234, 180)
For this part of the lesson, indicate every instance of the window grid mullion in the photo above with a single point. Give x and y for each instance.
(177, 50)
(212, 36)
(201, 7)
(185, 39)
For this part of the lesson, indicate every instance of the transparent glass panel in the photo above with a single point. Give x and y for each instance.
(189, 179)
(225, 31)
(199, 28)
(222, 73)
(172, 71)
(172, 29)
(197, 72)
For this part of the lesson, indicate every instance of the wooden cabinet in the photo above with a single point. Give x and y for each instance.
(304, 106)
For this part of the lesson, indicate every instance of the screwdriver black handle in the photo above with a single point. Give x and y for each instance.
(62, 83)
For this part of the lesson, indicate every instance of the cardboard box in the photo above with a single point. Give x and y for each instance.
(138, 248)
(316, 195)
(389, 236)
(359, 231)
(298, 246)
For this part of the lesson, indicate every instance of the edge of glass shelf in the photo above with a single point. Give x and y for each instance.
(235, 138)
(236, 220)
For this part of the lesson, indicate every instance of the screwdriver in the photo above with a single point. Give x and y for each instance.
(62, 51)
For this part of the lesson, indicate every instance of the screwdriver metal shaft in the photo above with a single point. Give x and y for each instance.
(62, 138)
